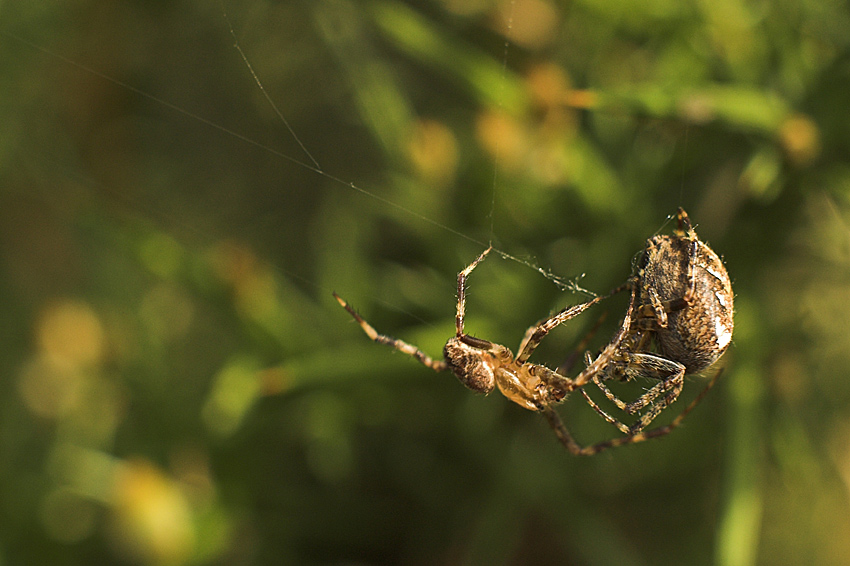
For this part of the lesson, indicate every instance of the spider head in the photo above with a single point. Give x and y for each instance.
(470, 360)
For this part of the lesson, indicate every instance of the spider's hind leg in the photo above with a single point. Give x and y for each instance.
(570, 444)
(671, 376)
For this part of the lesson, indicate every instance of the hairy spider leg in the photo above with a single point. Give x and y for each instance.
(575, 448)
(581, 347)
(410, 349)
(535, 334)
(686, 230)
(672, 379)
(461, 291)
(400, 345)
(610, 351)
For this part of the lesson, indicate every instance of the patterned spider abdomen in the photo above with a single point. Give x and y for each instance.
(698, 327)
(466, 357)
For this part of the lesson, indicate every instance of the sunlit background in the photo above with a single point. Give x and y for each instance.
(180, 387)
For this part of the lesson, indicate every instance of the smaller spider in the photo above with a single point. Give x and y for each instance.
(482, 365)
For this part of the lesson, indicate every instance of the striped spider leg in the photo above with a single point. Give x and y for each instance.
(567, 440)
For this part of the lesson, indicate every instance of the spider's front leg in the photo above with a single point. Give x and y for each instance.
(535, 334)
(558, 385)
(461, 291)
(410, 349)
(610, 352)
(654, 312)
(400, 345)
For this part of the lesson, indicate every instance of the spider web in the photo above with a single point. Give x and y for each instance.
(310, 162)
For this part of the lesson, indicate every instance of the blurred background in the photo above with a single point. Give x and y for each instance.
(179, 386)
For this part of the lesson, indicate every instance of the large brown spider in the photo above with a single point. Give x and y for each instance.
(686, 305)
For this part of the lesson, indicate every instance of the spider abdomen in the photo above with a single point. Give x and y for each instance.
(698, 331)
(474, 369)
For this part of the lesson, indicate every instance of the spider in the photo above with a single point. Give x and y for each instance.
(686, 308)
(482, 365)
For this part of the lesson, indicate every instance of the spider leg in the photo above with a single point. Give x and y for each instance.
(570, 444)
(400, 345)
(656, 408)
(528, 334)
(410, 349)
(624, 428)
(461, 290)
(535, 334)
(672, 379)
(571, 360)
(670, 373)
(659, 309)
(654, 314)
(610, 351)
(620, 426)
(564, 436)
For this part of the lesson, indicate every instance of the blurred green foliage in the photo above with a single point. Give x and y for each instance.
(181, 388)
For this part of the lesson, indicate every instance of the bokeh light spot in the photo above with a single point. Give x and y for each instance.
(433, 151)
(152, 516)
(71, 332)
(235, 389)
(49, 388)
